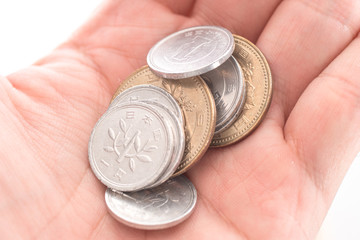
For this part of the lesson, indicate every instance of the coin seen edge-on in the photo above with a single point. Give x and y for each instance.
(234, 134)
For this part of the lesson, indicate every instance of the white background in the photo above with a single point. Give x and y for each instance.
(30, 29)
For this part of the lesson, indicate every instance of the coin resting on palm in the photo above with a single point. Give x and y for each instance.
(157, 128)
(156, 208)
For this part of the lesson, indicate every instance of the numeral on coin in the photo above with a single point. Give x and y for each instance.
(244, 54)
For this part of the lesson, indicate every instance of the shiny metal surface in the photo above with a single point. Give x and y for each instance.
(151, 93)
(258, 81)
(179, 142)
(191, 52)
(227, 86)
(197, 105)
(156, 208)
(130, 147)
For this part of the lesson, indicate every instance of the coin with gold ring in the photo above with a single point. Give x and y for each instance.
(258, 93)
(198, 107)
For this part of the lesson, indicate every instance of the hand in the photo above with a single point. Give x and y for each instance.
(276, 184)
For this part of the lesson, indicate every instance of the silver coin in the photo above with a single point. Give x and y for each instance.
(191, 52)
(157, 97)
(241, 107)
(179, 142)
(227, 85)
(130, 147)
(156, 208)
(151, 93)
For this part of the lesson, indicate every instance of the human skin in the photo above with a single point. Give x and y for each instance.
(278, 183)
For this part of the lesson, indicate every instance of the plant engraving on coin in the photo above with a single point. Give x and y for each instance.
(248, 71)
(130, 148)
(175, 89)
(155, 208)
(150, 199)
(258, 93)
(197, 108)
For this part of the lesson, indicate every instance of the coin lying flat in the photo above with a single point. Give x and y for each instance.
(151, 93)
(258, 93)
(198, 107)
(156, 208)
(227, 85)
(190, 52)
(130, 147)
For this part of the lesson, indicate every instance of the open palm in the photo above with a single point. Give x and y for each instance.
(276, 184)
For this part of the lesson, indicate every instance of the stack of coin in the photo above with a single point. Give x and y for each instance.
(199, 82)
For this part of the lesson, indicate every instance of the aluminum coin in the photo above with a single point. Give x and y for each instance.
(130, 147)
(191, 52)
(179, 138)
(227, 86)
(197, 105)
(156, 208)
(239, 110)
(149, 92)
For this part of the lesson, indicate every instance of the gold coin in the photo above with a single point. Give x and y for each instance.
(258, 93)
(197, 105)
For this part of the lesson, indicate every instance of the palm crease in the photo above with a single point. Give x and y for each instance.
(276, 184)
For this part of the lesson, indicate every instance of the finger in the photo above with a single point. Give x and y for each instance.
(178, 7)
(301, 39)
(119, 36)
(324, 124)
(245, 18)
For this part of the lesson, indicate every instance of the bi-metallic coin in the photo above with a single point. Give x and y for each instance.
(155, 208)
(191, 52)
